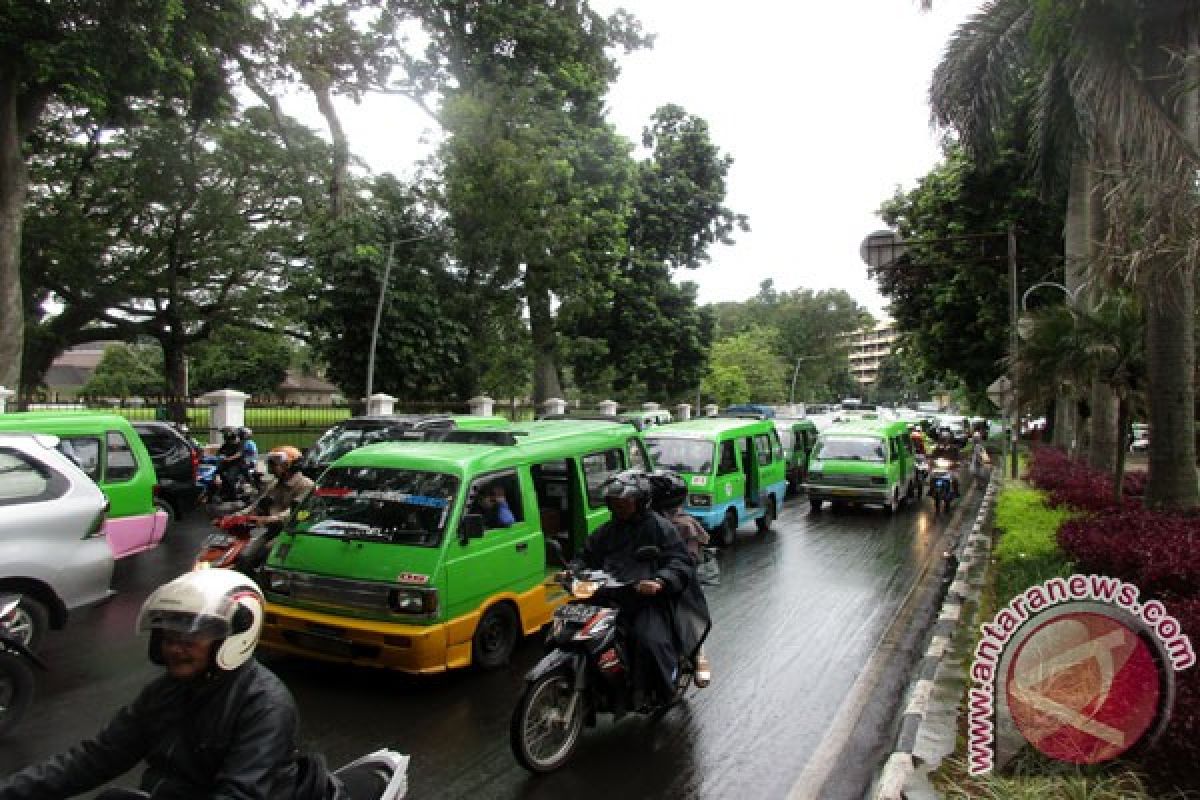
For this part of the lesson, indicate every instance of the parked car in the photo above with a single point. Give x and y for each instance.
(108, 450)
(52, 547)
(176, 459)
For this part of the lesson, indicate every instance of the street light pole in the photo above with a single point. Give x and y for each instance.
(1012, 294)
(795, 372)
(387, 272)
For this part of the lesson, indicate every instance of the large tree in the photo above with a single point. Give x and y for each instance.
(1121, 76)
(102, 58)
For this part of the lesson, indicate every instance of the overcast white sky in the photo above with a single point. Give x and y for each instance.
(821, 104)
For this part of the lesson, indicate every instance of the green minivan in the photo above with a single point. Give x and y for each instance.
(107, 448)
(863, 463)
(798, 435)
(399, 558)
(734, 468)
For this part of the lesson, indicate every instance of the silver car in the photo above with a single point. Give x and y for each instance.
(52, 547)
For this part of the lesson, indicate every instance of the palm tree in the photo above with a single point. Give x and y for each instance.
(1116, 89)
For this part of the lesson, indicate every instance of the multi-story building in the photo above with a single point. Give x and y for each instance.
(867, 349)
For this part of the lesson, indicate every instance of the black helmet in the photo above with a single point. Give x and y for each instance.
(244, 433)
(229, 433)
(667, 490)
(628, 483)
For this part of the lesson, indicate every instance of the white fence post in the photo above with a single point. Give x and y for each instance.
(481, 406)
(555, 405)
(228, 411)
(711, 410)
(380, 404)
(607, 407)
(5, 394)
(683, 412)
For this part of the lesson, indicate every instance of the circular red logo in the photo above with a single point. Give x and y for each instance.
(1083, 687)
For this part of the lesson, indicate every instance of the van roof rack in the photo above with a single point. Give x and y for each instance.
(494, 437)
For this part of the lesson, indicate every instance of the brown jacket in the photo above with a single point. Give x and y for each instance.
(690, 530)
(284, 495)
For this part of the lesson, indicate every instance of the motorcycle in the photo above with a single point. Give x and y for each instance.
(240, 543)
(942, 485)
(16, 673)
(221, 496)
(922, 467)
(587, 671)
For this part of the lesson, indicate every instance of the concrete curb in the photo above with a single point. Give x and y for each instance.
(973, 551)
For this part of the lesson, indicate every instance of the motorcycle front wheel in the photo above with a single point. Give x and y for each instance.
(16, 690)
(545, 725)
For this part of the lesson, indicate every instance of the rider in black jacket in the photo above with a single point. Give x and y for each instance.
(613, 548)
(217, 725)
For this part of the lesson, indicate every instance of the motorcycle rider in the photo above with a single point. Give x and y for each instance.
(231, 466)
(250, 457)
(274, 505)
(216, 724)
(668, 494)
(613, 548)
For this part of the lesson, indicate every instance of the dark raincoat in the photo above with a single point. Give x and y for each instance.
(661, 626)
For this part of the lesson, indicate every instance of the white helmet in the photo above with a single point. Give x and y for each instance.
(220, 603)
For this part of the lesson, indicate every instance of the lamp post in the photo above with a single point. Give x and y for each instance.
(387, 272)
(795, 372)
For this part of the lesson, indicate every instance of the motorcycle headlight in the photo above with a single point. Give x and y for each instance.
(584, 589)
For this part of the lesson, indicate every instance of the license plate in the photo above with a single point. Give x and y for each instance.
(327, 645)
(573, 612)
(218, 540)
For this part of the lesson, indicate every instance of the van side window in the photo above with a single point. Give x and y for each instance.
(777, 446)
(728, 461)
(489, 495)
(762, 447)
(637, 456)
(121, 464)
(597, 467)
(84, 451)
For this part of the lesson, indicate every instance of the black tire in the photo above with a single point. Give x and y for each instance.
(763, 523)
(727, 533)
(30, 622)
(16, 690)
(168, 509)
(495, 637)
(814, 505)
(535, 712)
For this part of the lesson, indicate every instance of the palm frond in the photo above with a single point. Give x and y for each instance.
(974, 82)
(1055, 127)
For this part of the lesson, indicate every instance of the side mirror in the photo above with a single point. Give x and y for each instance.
(647, 553)
(555, 553)
(470, 527)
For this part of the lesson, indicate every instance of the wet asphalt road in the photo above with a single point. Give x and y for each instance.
(796, 616)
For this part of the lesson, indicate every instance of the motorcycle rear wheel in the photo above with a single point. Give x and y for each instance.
(16, 690)
(542, 736)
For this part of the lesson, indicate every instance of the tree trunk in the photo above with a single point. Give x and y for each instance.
(1104, 426)
(546, 383)
(1119, 454)
(1075, 253)
(341, 147)
(175, 367)
(1171, 479)
(14, 182)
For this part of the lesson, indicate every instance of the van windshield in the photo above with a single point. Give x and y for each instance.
(844, 448)
(681, 455)
(374, 504)
(338, 441)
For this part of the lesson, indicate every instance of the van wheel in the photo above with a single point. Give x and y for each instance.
(29, 622)
(727, 533)
(764, 522)
(814, 505)
(495, 637)
(162, 505)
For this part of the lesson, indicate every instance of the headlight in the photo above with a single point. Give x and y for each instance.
(413, 601)
(700, 500)
(815, 476)
(878, 481)
(584, 589)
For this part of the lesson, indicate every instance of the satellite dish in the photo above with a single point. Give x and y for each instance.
(881, 249)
